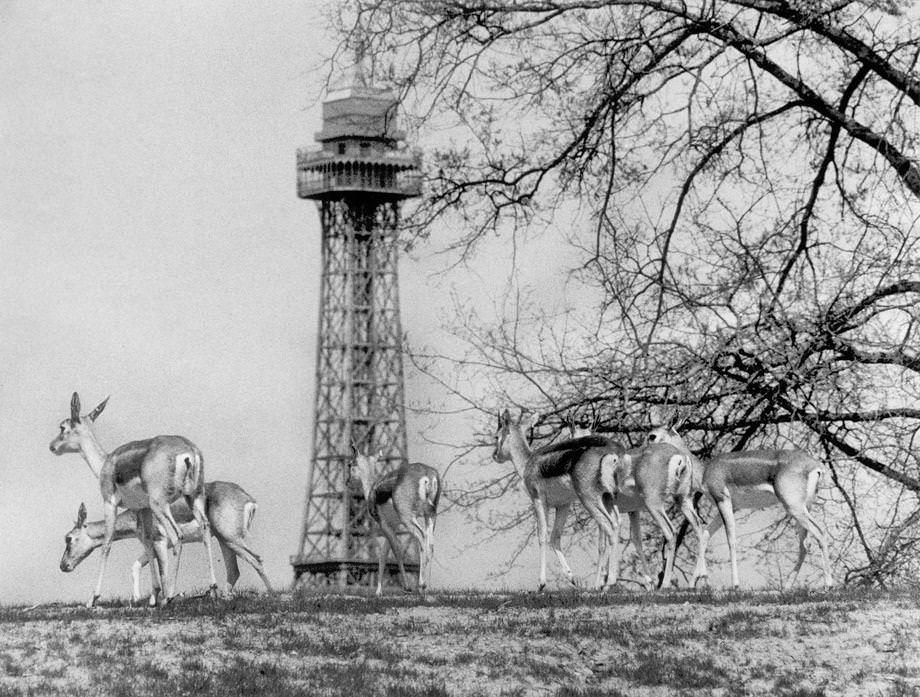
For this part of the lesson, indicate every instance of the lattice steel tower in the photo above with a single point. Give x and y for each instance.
(358, 177)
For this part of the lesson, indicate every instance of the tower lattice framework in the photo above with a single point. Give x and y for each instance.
(358, 178)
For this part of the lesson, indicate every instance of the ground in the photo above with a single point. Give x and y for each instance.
(805, 644)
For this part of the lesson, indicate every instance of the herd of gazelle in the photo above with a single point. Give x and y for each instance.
(607, 479)
(160, 484)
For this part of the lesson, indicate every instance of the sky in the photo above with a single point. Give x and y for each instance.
(153, 248)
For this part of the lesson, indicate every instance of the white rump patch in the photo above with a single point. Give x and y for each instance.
(677, 471)
(187, 463)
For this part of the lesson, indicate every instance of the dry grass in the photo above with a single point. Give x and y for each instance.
(566, 644)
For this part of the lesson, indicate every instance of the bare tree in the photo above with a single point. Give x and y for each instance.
(750, 169)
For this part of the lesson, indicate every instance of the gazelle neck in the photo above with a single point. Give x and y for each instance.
(125, 526)
(519, 448)
(92, 452)
(366, 487)
(367, 479)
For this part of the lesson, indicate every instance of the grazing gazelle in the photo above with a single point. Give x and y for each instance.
(230, 512)
(145, 477)
(754, 480)
(398, 499)
(652, 477)
(557, 475)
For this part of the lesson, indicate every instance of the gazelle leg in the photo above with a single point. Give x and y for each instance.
(390, 536)
(607, 520)
(602, 575)
(793, 494)
(540, 512)
(382, 551)
(197, 505)
(159, 507)
(635, 533)
(136, 567)
(689, 511)
(801, 532)
(110, 510)
(555, 541)
(667, 530)
(240, 550)
(230, 564)
(429, 538)
(174, 577)
(724, 504)
(808, 525)
(612, 515)
(418, 532)
(146, 530)
(167, 586)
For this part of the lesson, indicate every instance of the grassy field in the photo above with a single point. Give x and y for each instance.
(802, 644)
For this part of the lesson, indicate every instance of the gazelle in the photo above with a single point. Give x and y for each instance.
(145, 477)
(230, 512)
(397, 499)
(754, 480)
(652, 477)
(558, 475)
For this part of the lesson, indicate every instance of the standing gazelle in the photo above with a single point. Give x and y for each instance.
(143, 476)
(230, 512)
(397, 499)
(555, 476)
(754, 480)
(652, 477)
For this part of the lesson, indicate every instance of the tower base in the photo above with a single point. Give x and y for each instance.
(340, 573)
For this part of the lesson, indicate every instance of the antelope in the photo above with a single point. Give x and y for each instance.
(653, 476)
(230, 512)
(555, 476)
(755, 480)
(145, 477)
(397, 499)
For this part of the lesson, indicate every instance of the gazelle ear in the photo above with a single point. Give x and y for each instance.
(75, 408)
(678, 422)
(504, 418)
(81, 515)
(98, 410)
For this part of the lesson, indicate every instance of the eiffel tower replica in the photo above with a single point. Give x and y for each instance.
(358, 176)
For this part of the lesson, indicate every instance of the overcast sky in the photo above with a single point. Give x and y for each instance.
(152, 247)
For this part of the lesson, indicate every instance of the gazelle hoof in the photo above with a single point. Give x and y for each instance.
(701, 581)
(212, 591)
(541, 588)
(92, 602)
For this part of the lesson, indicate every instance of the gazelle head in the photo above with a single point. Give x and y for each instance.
(580, 425)
(76, 428)
(364, 466)
(666, 434)
(508, 429)
(501, 452)
(78, 543)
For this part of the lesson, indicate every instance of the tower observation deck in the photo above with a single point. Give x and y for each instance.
(358, 176)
